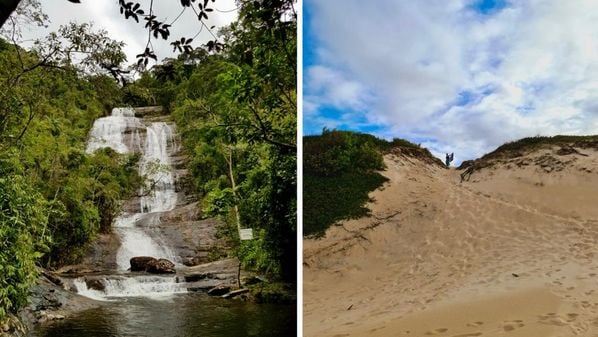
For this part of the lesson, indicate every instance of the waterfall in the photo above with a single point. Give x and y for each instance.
(134, 286)
(110, 131)
(155, 141)
(157, 167)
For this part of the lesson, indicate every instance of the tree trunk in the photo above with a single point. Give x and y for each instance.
(234, 186)
(6, 8)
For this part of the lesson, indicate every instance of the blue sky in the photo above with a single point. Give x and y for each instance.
(459, 76)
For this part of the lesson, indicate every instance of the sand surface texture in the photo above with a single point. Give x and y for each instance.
(511, 252)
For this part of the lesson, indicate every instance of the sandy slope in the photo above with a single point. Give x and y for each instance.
(512, 252)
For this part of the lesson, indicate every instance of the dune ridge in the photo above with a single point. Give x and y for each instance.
(508, 253)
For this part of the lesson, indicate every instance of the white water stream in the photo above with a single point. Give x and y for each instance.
(125, 133)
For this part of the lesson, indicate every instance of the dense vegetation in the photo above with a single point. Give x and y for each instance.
(236, 112)
(54, 197)
(340, 168)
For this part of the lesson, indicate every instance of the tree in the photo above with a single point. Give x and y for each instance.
(141, 15)
(237, 115)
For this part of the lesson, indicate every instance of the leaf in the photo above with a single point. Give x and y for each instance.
(75, 1)
(164, 33)
(186, 3)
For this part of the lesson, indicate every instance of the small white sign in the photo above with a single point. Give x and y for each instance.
(246, 234)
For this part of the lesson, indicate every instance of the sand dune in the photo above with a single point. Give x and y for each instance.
(509, 253)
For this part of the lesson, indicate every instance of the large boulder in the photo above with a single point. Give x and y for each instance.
(219, 290)
(140, 263)
(161, 266)
(95, 284)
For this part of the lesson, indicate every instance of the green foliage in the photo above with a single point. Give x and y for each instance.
(327, 200)
(276, 292)
(89, 200)
(254, 255)
(23, 238)
(54, 197)
(236, 112)
(339, 172)
(336, 152)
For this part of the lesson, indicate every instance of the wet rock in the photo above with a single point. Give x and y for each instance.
(45, 316)
(152, 265)
(161, 266)
(95, 284)
(205, 287)
(235, 293)
(54, 317)
(197, 277)
(76, 270)
(148, 110)
(141, 263)
(52, 278)
(219, 291)
(192, 261)
(221, 270)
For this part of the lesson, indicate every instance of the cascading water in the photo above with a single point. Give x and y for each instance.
(125, 133)
(110, 131)
(133, 286)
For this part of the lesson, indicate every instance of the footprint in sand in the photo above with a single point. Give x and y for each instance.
(473, 334)
(437, 331)
(379, 328)
(553, 319)
(512, 325)
(572, 317)
(475, 324)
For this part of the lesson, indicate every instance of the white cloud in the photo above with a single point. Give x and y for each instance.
(532, 68)
(334, 89)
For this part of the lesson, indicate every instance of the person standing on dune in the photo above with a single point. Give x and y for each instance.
(449, 159)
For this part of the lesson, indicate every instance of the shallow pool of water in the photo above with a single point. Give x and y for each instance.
(184, 315)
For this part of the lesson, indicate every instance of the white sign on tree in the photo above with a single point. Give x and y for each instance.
(246, 234)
